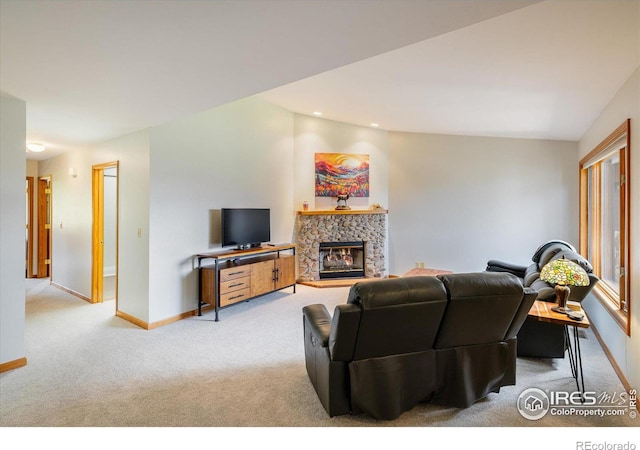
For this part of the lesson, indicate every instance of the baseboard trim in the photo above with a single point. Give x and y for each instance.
(71, 291)
(184, 315)
(133, 320)
(151, 326)
(11, 365)
(616, 368)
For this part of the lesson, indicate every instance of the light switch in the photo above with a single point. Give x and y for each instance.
(139, 232)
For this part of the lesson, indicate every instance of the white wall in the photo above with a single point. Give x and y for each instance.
(236, 155)
(72, 207)
(314, 135)
(455, 202)
(626, 350)
(13, 132)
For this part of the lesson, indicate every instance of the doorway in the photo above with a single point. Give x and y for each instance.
(104, 273)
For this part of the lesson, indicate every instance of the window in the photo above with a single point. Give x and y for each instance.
(604, 222)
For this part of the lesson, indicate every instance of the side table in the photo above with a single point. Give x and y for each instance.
(542, 312)
(423, 272)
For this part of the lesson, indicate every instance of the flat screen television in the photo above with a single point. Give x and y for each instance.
(245, 227)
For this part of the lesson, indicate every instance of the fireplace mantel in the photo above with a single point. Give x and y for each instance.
(342, 212)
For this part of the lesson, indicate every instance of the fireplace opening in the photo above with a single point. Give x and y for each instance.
(341, 260)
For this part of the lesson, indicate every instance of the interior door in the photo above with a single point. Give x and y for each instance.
(44, 227)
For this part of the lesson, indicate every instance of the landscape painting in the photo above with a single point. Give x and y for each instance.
(339, 173)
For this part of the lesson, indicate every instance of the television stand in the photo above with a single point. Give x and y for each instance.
(242, 274)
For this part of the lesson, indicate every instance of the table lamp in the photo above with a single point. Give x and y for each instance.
(563, 273)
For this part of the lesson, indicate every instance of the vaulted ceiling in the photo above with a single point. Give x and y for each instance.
(91, 71)
(543, 72)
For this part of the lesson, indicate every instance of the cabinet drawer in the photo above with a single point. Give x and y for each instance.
(234, 285)
(235, 296)
(234, 272)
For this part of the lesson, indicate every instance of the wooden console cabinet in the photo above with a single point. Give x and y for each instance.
(239, 275)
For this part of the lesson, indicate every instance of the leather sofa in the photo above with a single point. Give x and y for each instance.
(397, 342)
(540, 339)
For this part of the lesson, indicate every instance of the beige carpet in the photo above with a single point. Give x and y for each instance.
(88, 368)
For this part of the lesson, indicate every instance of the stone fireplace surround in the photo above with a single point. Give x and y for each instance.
(313, 227)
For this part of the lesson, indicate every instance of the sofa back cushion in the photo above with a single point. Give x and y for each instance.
(481, 308)
(540, 250)
(550, 254)
(576, 258)
(399, 315)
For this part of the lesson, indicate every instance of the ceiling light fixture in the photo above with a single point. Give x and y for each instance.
(34, 147)
(317, 113)
(375, 125)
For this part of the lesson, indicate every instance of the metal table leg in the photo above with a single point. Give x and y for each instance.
(575, 357)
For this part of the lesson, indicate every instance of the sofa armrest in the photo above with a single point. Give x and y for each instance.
(501, 266)
(318, 319)
(329, 378)
(579, 293)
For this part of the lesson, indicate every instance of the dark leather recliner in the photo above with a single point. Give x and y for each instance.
(541, 339)
(397, 342)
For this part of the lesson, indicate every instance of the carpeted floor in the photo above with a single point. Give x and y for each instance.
(88, 368)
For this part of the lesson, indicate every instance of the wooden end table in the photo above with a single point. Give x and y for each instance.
(541, 311)
(423, 272)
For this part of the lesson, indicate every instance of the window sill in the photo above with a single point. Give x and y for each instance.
(620, 317)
